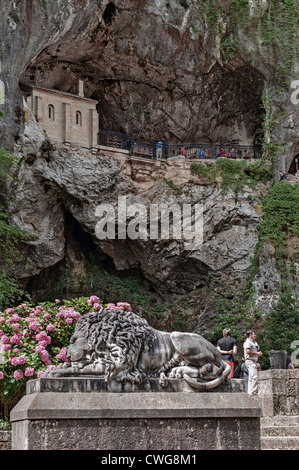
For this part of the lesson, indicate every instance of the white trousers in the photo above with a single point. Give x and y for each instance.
(252, 377)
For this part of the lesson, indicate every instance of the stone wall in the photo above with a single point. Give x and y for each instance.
(279, 392)
(5, 440)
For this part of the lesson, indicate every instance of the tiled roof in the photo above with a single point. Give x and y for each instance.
(58, 92)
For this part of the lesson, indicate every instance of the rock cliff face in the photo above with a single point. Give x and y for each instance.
(159, 69)
(55, 182)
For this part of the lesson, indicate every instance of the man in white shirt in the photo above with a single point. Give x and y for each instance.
(251, 354)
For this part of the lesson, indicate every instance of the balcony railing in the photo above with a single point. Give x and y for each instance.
(114, 139)
(151, 150)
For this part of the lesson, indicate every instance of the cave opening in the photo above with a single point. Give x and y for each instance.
(86, 270)
(149, 100)
(109, 13)
(294, 166)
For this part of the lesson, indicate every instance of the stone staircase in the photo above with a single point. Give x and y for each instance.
(280, 432)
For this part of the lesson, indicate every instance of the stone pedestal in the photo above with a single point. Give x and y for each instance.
(279, 391)
(79, 414)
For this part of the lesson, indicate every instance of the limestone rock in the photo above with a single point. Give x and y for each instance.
(54, 181)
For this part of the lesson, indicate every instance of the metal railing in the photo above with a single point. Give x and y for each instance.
(151, 151)
(214, 151)
(114, 140)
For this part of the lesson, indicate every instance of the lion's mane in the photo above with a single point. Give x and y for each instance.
(117, 337)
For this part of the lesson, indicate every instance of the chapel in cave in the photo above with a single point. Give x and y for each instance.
(66, 117)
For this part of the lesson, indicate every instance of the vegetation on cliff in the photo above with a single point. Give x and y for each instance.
(10, 238)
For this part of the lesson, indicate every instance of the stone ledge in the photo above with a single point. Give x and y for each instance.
(130, 405)
(98, 384)
(284, 374)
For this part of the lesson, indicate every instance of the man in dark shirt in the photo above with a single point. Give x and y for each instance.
(282, 176)
(228, 347)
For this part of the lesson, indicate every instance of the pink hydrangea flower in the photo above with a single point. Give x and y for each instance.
(112, 306)
(62, 355)
(93, 299)
(124, 306)
(14, 318)
(10, 310)
(39, 348)
(44, 355)
(33, 325)
(29, 371)
(42, 336)
(18, 374)
(15, 339)
(19, 360)
(4, 339)
(50, 327)
(1, 375)
(97, 306)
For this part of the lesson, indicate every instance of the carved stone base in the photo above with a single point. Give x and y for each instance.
(95, 420)
(98, 384)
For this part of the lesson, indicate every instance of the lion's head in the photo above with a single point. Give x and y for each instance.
(113, 339)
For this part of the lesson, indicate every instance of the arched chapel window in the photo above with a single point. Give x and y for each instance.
(51, 112)
(78, 118)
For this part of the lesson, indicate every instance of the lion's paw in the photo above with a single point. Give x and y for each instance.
(163, 380)
(177, 373)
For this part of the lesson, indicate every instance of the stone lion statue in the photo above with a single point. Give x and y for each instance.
(123, 347)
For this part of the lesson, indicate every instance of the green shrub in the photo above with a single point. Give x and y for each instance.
(280, 219)
(281, 325)
(233, 174)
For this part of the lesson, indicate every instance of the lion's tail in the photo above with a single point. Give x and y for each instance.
(213, 383)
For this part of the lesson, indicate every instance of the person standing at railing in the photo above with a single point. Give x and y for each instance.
(183, 151)
(222, 153)
(159, 147)
(201, 153)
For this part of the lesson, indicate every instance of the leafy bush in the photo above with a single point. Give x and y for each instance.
(233, 174)
(34, 339)
(280, 219)
(281, 325)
